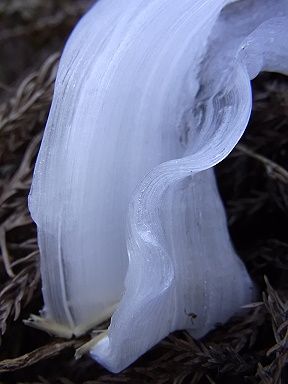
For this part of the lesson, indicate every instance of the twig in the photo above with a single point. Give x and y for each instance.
(273, 169)
(5, 253)
(46, 352)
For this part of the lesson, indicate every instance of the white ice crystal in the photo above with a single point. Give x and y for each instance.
(149, 96)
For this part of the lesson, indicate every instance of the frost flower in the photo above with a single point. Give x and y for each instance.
(149, 96)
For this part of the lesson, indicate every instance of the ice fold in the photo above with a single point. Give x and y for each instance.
(149, 96)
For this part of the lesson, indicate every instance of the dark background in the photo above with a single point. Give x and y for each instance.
(254, 185)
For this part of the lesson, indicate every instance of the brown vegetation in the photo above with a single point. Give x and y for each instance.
(254, 185)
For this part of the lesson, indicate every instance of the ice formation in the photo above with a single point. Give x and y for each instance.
(149, 96)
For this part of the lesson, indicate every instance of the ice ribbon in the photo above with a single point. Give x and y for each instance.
(141, 83)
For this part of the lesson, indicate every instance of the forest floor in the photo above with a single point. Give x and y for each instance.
(253, 182)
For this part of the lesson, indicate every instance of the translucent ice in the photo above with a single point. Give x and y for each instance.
(149, 96)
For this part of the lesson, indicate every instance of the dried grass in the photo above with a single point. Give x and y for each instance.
(253, 182)
(21, 123)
